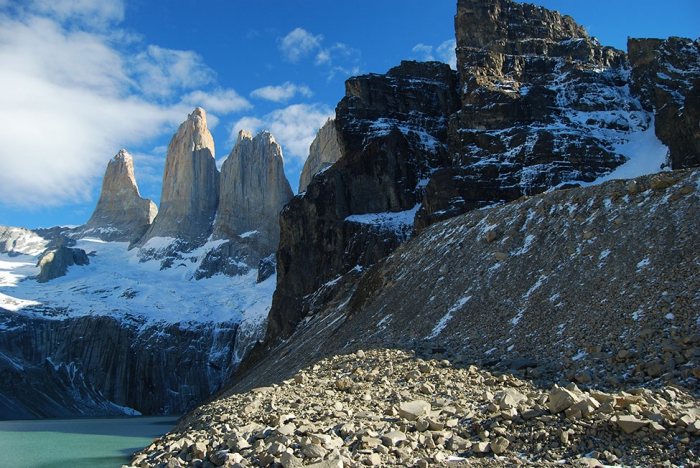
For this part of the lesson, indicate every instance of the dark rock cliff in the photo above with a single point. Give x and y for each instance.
(392, 131)
(536, 104)
(666, 76)
(102, 365)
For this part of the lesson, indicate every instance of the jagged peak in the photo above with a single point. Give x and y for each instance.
(123, 155)
(263, 136)
(498, 20)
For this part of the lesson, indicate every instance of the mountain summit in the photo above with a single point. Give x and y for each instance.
(190, 193)
(121, 214)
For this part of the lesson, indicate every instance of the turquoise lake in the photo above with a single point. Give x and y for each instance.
(88, 443)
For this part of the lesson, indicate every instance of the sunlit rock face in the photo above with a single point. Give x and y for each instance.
(253, 190)
(542, 105)
(121, 214)
(324, 151)
(190, 193)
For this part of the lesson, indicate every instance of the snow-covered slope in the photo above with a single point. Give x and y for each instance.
(119, 335)
(116, 283)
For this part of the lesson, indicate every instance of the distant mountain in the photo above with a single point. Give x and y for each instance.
(121, 214)
(135, 312)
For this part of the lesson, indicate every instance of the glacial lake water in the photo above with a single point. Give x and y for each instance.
(78, 443)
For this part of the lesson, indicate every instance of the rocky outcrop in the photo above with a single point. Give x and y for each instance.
(323, 152)
(190, 193)
(542, 105)
(121, 214)
(253, 191)
(666, 76)
(536, 104)
(389, 407)
(54, 262)
(391, 129)
(100, 365)
(17, 241)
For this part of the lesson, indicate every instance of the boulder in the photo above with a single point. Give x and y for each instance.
(55, 263)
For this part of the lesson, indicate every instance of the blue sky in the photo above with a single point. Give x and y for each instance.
(81, 79)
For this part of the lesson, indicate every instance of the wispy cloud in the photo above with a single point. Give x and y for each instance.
(445, 52)
(281, 93)
(338, 59)
(71, 97)
(162, 72)
(224, 101)
(298, 44)
(294, 127)
(91, 13)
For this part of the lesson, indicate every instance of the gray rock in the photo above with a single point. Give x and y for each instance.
(55, 263)
(190, 193)
(323, 152)
(253, 191)
(412, 410)
(121, 214)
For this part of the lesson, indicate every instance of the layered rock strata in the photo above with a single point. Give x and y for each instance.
(100, 365)
(543, 105)
(190, 193)
(121, 214)
(536, 104)
(323, 152)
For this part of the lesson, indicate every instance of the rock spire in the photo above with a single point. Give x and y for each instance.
(121, 214)
(324, 151)
(190, 192)
(253, 190)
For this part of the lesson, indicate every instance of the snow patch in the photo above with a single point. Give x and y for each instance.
(446, 318)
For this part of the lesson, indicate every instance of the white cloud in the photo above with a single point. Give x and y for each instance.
(281, 93)
(445, 52)
(224, 101)
(339, 52)
(69, 100)
(160, 71)
(93, 13)
(299, 44)
(294, 127)
(424, 51)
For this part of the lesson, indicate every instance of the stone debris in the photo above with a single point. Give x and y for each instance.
(473, 417)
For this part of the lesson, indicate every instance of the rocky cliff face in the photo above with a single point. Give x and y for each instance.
(91, 366)
(121, 214)
(362, 207)
(190, 192)
(253, 191)
(543, 105)
(536, 104)
(324, 151)
(666, 76)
